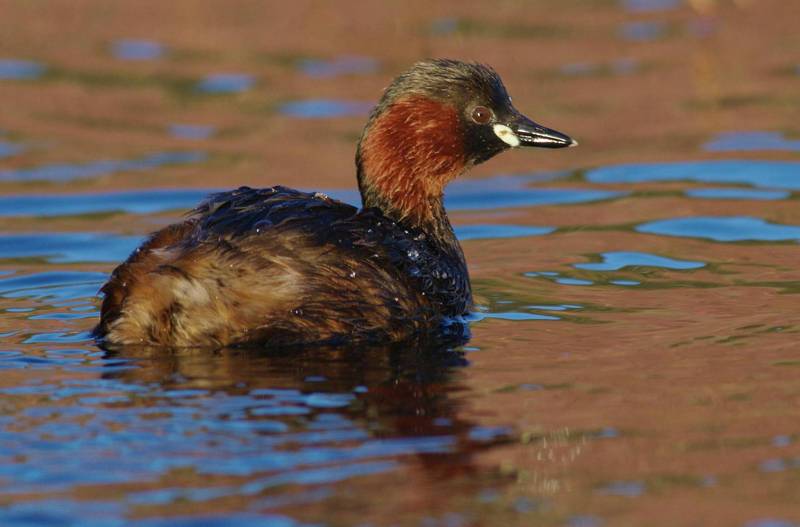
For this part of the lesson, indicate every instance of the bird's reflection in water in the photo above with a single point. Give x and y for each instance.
(398, 401)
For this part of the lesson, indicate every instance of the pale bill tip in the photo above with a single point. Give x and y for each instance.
(573, 143)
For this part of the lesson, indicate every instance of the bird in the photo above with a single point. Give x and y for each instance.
(276, 267)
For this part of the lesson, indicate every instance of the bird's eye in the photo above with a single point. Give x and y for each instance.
(481, 115)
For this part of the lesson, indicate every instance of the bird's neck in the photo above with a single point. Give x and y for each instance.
(408, 153)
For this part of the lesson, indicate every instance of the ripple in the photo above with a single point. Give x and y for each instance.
(763, 174)
(61, 512)
(95, 169)
(345, 65)
(558, 307)
(14, 69)
(8, 149)
(772, 465)
(614, 261)
(501, 192)
(770, 522)
(221, 83)
(751, 142)
(568, 280)
(133, 202)
(648, 6)
(59, 337)
(491, 193)
(324, 108)
(781, 441)
(510, 315)
(628, 489)
(643, 31)
(623, 66)
(69, 247)
(584, 521)
(131, 49)
(191, 131)
(53, 285)
(483, 232)
(722, 229)
(624, 282)
(573, 281)
(227, 520)
(579, 69)
(485, 434)
(738, 193)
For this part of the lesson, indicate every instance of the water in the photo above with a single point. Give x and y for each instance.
(18, 69)
(644, 6)
(95, 169)
(751, 142)
(633, 354)
(462, 195)
(723, 229)
(761, 174)
(324, 109)
(8, 149)
(642, 31)
(129, 49)
(737, 193)
(191, 131)
(221, 83)
(614, 261)
(345, 65)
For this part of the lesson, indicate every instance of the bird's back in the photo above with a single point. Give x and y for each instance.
(278, 266)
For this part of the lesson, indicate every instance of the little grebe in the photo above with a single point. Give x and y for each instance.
(277, 266)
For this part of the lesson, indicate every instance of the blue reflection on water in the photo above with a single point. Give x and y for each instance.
(69, 172)
(751, 141)
(644, 6)
(578, 68)
(491, 193)
(15, 69)
(643, 31)
(481, 232)
(134, 202)
(8, 149)
(444, 25)
(191, 131)
(226, 520)
(629, 489)
(764, 174)
(69, 247)
(324, 108)
(512, 191)
(131, 49)
(585, 521)
(722, 229)
(614, 261)
(625, 282)
(53, 285)
(572, 281)
(510, 315)
(770, 522)
(221, 83)
(737, 193)
(623, 66)
(345, 65)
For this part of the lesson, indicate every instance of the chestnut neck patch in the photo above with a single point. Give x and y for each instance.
(408, 154)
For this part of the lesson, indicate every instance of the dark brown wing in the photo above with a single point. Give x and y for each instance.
(139, 263)
(279, 265)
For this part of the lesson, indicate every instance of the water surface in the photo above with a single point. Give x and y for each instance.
(633, 355)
